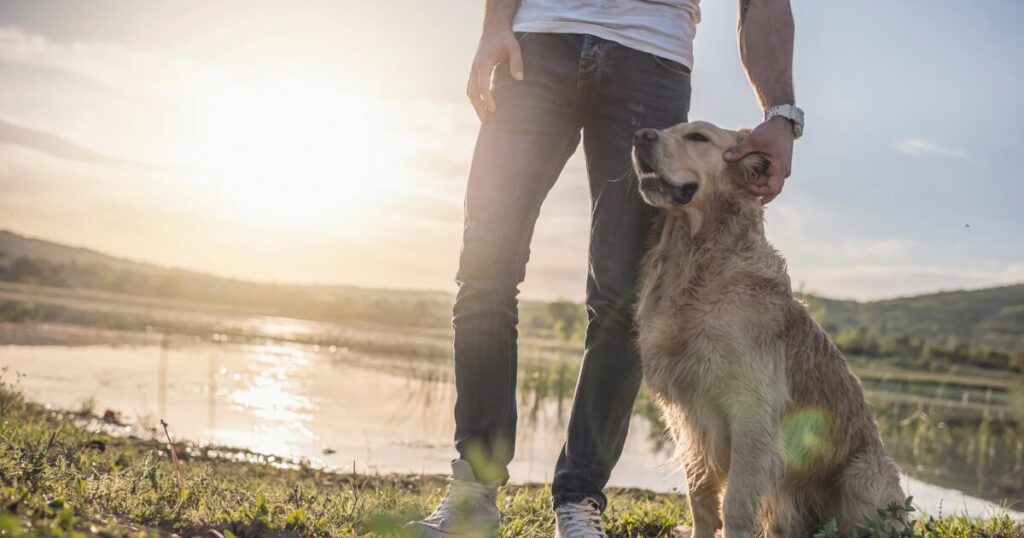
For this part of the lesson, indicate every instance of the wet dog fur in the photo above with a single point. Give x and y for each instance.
(774, 432)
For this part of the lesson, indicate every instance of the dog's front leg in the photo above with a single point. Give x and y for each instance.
(704, 482)
(754, 469)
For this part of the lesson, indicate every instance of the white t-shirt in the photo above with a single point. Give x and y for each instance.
(665, 28)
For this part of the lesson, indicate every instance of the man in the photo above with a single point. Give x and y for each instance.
(546, 74)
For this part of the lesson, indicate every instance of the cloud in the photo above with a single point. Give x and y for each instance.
(57, 146)
(441, 163)
(1014, 273)
(920, 148)
(108, 64)
(862, 249)
(799, 222)
(913, 270)
(879, 281)
(842, 262)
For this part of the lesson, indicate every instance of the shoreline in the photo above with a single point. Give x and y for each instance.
(64, 472)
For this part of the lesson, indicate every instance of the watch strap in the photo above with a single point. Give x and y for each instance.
(791, 113)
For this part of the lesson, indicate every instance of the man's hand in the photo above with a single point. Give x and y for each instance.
(774, 140)
(766, 47)
(497, 45)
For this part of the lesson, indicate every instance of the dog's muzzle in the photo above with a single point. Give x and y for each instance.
(652, 182)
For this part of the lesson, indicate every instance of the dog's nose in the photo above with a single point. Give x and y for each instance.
(645, 135)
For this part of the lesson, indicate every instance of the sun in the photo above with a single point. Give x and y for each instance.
(292, 151)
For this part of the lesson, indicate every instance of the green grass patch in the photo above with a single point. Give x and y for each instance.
(61, 474)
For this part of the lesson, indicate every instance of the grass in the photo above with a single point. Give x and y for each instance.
(63, 474)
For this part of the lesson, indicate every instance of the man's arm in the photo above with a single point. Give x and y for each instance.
(766, 48)
(497, 44)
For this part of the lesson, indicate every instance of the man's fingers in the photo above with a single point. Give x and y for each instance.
(483, 84)
(780, 185)
(515, 60)
(769, 185)
(761, 184)
(480, 109)
(473, 92)
(775, 184)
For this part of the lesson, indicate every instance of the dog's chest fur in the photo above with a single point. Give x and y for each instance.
(684, 319)
(694, 314)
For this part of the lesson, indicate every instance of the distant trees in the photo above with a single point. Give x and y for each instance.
(568, 319)
(914, 352)
(990, 318)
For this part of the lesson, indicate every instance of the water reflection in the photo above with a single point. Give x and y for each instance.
(982, 454)
(387, 413)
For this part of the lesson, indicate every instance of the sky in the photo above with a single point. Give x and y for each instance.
(329, 141)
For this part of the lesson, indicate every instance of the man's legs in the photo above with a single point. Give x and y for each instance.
(520, 151)
(628, 90)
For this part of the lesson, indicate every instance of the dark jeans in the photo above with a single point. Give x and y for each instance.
(573, 84)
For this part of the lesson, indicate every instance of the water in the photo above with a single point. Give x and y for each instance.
(341, 408)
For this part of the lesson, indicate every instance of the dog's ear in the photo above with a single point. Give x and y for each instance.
(751, 166)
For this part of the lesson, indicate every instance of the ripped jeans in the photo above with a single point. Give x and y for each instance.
(575, 86)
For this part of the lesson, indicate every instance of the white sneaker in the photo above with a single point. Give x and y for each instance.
(680, 531)
(579, 520)
(469, 509)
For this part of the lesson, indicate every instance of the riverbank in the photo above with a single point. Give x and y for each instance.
(66, 473)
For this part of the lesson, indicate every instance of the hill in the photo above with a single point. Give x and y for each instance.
(13, 246)
(982, 328)
(36, 261)
(989, 318)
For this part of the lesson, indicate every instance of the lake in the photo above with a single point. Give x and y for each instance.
(372, 408)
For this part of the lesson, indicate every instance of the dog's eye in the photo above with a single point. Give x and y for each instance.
(696, 137)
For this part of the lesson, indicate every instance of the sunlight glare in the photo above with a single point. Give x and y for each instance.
(292, 151)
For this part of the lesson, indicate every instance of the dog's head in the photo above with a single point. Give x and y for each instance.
(682, 166)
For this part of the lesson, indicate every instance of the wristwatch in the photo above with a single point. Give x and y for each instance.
(791, 113)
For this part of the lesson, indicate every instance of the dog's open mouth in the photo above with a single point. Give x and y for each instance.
(644, 169)
(648, 176)
(651, 182)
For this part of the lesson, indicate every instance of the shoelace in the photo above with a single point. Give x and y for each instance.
(456, 497)
(580, 520)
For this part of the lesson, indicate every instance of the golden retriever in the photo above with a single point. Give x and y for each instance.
(760, 402)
